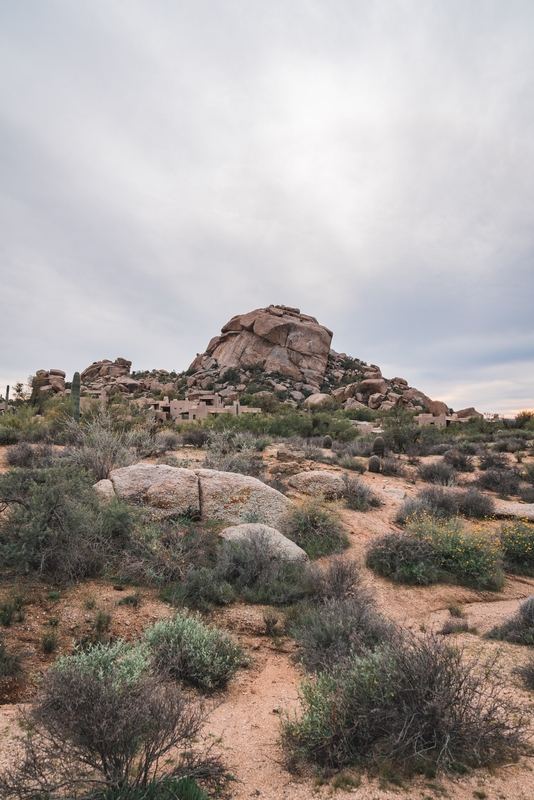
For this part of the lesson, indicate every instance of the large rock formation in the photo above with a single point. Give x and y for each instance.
(205, 493)
(277, 338)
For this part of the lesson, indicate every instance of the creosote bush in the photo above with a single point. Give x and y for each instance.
(438, 550)
(103, 723)
(519, 629)
(331, 633)
(517, 542)
(55, 525)
(420, 702)
(194, 653)
(316, 528)
(444, 503)
(439, 472)
(502, 481)
(359, 496)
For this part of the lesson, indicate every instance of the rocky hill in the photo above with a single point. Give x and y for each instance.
(275, 352)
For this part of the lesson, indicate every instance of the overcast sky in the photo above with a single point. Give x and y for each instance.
(167, 164)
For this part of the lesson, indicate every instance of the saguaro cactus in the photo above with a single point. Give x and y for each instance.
(75, 396)
(7, 401)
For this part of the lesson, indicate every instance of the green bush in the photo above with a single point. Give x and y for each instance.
(416, 704)
(194, 653)
(102, 725)
(443, 503)
(10, 664)
(404, 558)
(502, 481)
(517, 542)
(316, 528)
(438, 472)
(438, 550)
(359, 496)
(332, 632)
(56, 526)
(519, 629)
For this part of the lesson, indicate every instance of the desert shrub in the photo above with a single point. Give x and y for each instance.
(527, 494)
(459, 460)
(404, 558)
(195, 436)
(438, 472)
(201, 588)
(503, 481)
(422, 702)
(445, 503)
(354, 464)
(432, 500)
(339, 579)
(10, 664)
(511, 443)
(103, 723)
(184, 788)
(467, 448)
(11, 610)
(234, 451)
(29, 456)
(470, 557)
(454, 626)
(164, 552)
(492, 460)
(528, 473)
(194, 653)
(361, 448)
(8, 435)
(98, 445)
(472, 503)
(358, 496)
(249, 566)
(517, 542)
(316, 528)
(332, 632)
(519, 629)
(437, 550)
(527, 673)
(56, 526)
(392, 466)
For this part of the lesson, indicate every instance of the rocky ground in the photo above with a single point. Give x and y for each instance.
(247, 720)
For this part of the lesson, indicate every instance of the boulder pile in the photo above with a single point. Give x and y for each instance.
(270, 355)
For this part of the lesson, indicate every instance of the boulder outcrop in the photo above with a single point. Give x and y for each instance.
(328, 484)
(170, 491)
(203, 493)
(280, 547)
(277, 338)
(236, 498)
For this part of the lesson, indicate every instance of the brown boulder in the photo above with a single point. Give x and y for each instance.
(437, 408)
(373, 386)
(278, 338)
(465, 413)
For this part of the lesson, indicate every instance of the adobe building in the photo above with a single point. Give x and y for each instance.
(198, 406)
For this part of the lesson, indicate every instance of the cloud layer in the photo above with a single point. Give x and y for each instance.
(169, 164)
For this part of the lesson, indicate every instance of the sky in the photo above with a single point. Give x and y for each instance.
(167, 164)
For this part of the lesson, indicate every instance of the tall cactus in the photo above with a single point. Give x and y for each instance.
(75, 396)
(7, 401)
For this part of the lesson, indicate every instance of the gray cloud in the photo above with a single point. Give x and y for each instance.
(168, 164)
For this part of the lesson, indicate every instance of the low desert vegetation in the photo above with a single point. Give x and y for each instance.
(358, 496)
(519, 629)
(191, 652)
(517, 542)
(317, 528)
(435, 550)
(444, 503)
(104, 725)
(420, 705)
